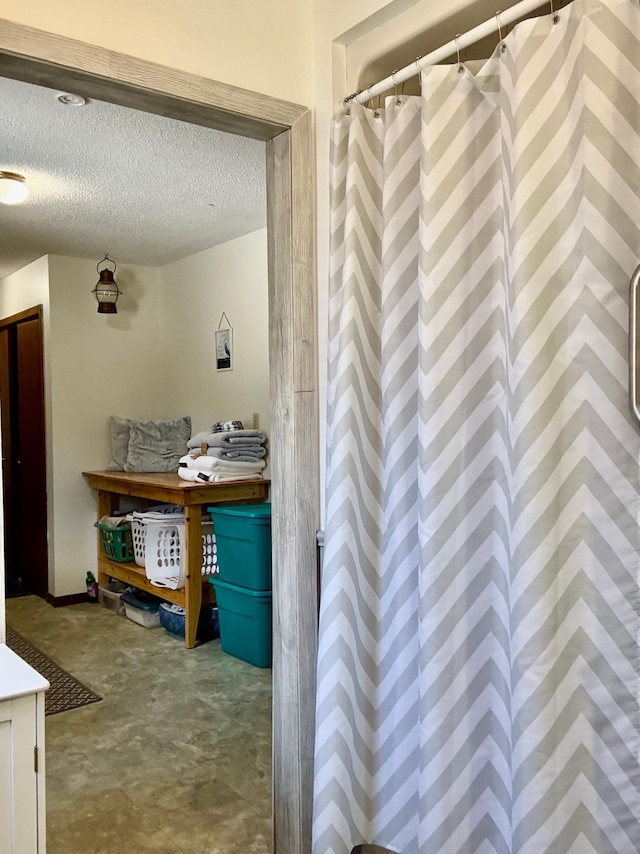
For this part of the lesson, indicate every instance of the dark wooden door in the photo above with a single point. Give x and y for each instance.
(24, 455)
(10, 538)
(31, 457)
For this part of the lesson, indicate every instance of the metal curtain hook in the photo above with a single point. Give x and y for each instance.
(503, 46)
(369, 95)
(418, 69)
(460, 65)
(346, 104)
(554, 15)
(395, 88)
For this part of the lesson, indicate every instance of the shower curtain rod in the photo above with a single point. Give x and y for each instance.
(493, 25)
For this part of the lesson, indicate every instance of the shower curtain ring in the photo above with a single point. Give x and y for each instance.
(460, 65)
(555, 17)
(418, 69)
(503, 46)
(395, 87)
(346, 105)
(369, 94)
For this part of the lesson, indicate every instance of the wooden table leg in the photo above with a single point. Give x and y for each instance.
(106, 505)
(193, 584)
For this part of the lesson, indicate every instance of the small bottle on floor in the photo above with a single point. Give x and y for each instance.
(92, 587)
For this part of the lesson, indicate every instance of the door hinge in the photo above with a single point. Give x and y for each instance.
(35, 758)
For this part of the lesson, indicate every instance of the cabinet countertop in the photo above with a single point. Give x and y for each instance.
(17, 678)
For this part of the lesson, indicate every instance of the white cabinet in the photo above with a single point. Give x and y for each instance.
(22, 804)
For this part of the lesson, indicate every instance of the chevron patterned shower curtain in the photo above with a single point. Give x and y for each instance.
(478, 658)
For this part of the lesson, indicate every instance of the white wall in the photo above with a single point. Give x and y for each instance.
(261, 46)
(101, 365)
(195, 291)
(26, 288)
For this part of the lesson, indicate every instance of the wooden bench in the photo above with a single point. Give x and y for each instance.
(169, 488)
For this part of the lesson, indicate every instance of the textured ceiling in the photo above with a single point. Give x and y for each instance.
(146, 189)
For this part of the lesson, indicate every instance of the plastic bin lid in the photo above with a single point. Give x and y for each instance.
(254, 511)
(144, 605)
(248, 591)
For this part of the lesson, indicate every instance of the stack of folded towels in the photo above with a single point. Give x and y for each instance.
(226, 452)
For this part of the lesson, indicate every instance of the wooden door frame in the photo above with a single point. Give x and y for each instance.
(42, 58)
(36, 312)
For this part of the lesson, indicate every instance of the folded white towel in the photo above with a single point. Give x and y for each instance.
(220, 477)
(214, 464)
(196, 476)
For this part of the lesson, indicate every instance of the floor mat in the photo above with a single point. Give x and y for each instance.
(65, 692)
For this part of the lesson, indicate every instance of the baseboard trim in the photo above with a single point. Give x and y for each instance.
(61, 601)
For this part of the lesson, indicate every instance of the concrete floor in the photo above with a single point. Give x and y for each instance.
(177, 755)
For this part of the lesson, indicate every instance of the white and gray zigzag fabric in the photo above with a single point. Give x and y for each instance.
(478, 657)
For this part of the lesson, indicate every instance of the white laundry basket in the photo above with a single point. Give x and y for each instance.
(159, 513)
(165, 551)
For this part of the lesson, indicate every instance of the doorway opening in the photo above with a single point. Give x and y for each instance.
(286, 128)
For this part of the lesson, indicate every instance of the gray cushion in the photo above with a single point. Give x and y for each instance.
(119, 428)
(156, 446)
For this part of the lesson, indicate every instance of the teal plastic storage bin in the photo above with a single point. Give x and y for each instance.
(245, 622)
(243, 540)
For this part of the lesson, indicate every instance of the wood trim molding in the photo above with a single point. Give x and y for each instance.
(34, 313)
(295, 515)
(63, 601)
(50, 60)
(46, 59)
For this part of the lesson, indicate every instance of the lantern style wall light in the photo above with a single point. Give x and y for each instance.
(106, 290)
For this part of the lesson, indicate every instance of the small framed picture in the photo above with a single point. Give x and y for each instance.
(224, 350)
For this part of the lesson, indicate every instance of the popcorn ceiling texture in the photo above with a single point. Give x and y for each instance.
(146, 189)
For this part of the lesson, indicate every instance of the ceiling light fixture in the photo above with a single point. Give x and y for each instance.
(70, 100)
(13, 188)
(106, 290)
